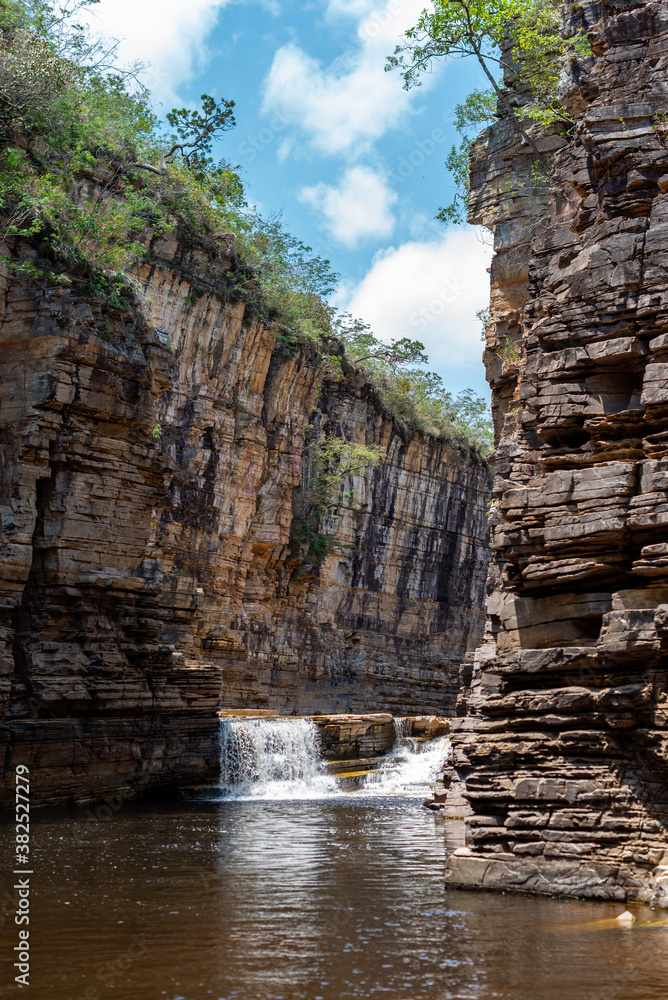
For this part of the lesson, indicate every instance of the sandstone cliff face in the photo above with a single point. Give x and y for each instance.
(381, 623)
(150, 458)
(565, 750)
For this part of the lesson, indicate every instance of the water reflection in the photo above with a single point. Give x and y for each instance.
(305, 901)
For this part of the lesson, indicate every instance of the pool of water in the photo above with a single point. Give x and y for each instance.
(302, 900)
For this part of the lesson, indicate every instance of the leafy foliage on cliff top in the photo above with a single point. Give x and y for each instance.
(415, 396)
(90, 174)
(522, 37)
(67, 118)
(520, 40)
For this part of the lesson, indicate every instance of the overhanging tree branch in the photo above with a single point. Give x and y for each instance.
(479, 28)
(195, 132)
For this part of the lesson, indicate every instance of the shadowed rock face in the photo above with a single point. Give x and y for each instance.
(565, 750)
(150, 572)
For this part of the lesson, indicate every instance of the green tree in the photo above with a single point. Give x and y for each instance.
(59, 24)
(72, 127)
(417, 397)
(470, 416)
(55, 21)
(362, 345)
(520, 38)
(194, 133)
(481, 29)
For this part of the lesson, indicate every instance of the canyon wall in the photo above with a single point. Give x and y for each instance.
(151, 573)
(564, 751)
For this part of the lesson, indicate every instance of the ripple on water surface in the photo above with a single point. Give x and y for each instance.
(342, 898)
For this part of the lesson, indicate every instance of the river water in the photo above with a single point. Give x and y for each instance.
(254, 893)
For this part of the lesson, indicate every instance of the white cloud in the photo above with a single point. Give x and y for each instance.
(357, 209)
(346, 106)
(349, 8)
(168, 34)
(428, 291)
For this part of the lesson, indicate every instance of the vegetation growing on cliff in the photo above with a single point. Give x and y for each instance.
(91, 176)
(327, 485)
(67, 119)
(518, 39)
(417, 397)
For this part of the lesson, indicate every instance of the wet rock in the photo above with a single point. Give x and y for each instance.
(351, 736)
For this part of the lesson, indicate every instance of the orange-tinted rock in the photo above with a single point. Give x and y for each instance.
(149, 463)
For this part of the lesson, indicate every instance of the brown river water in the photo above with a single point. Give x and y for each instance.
(323, 898)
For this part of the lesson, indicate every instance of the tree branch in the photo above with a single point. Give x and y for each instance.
(161, 170)
(375, 354)
(516, 124)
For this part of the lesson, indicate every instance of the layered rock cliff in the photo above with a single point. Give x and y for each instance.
(151, 454)
(564, 752)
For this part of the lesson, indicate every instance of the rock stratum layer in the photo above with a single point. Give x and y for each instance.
(150, 570)
(564, 752)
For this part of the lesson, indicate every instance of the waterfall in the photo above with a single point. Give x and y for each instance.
(272, 759)
(402, 728)
(411, 768)
(281, 759)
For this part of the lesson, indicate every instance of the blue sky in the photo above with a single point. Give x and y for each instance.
(354, 163)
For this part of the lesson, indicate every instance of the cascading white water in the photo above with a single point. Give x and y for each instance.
(272, 759)
(411, 768)
(402, 727)
(281, 759)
